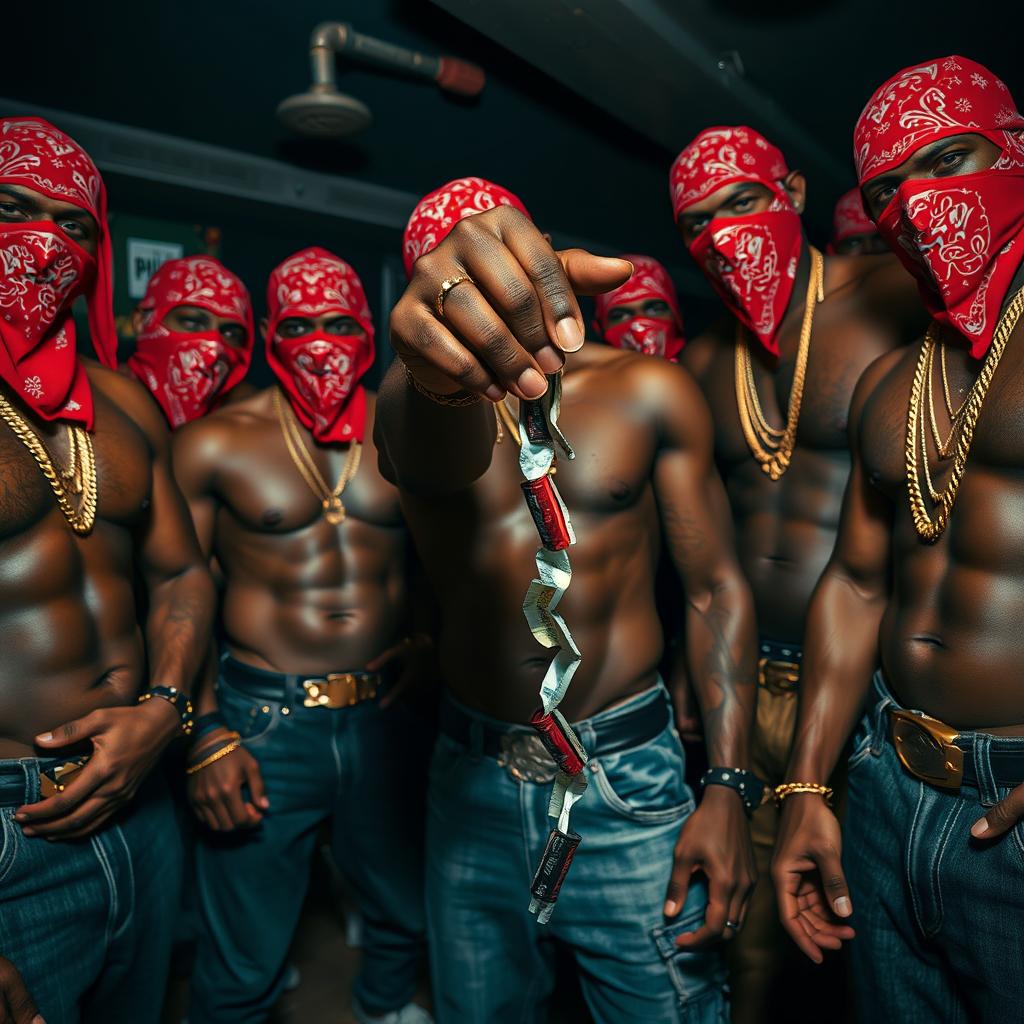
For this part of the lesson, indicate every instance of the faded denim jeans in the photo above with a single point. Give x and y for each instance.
(939, 916)
(490, 961)
(89, 922)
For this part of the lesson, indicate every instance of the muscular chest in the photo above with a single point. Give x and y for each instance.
(123, 468)
(262, 488)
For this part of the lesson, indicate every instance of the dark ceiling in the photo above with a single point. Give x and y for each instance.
(214, 70)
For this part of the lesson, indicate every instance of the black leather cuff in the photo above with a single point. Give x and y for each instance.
(751, 789)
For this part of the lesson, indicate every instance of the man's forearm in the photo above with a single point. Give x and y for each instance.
(722, 649)
(840, 654)
(432, 448)
(179, 626)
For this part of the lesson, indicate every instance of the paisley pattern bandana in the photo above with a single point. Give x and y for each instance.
(648, 335)
(439, 211)
(190, 372)
(320, 372)
(751, 261)
(961, 235)
(42, 272)
(849, 219)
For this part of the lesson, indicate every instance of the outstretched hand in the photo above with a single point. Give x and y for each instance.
(512, 322)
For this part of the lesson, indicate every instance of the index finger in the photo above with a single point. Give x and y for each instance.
(85, 782)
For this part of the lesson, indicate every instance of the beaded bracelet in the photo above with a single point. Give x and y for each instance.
(789, 788)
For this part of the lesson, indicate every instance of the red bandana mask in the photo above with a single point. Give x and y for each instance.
(190, 372)
(42, 272)
(439, 211)
(651, 336)
(320, 372)
(849, 219)
(960, 236)
(750, 261)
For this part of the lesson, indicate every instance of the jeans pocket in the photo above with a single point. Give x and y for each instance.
(10, 840)
(699, 978)
(250, 717)
(862, 740)
(645, 784)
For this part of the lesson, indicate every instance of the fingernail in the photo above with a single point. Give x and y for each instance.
(843, 907)
(569, 334)
(671, 909)
(28, 832)
(549, 359)
(979, 828)
(264, 803)
(495, 393)
(45, 737)
(531, 383)
(19, 818)
(38, 1020)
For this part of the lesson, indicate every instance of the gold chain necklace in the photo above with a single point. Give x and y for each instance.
(930, 529)
(80, 476)
(772, 447)
(334, 510)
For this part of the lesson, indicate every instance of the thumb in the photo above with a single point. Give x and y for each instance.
(70, 732)
(1001, 817)
(590, 275)
(833, 882)
(257, 790)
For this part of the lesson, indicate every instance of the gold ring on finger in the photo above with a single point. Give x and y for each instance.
(446, 286)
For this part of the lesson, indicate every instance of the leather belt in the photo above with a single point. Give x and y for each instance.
(929, 750)
(778, 677)
(54, 774)
(524, 756)
(333, 690)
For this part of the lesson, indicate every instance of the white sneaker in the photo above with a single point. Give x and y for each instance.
(411, 1013)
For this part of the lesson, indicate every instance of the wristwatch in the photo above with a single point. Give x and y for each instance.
(752, 790)
(178, 700)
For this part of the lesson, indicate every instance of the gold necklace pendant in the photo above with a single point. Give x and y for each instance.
(773, 447)
(334, 510)
(931, 524)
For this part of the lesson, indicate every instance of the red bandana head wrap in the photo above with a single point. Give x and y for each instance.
(439, 211)
(751, 260)
(189, 372)
(650, 335)
(320, 372)
(42, 272)
(849, 219)
(960, 236)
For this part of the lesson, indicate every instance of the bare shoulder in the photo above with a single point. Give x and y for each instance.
(131, 398)
(204, 444)
(700, 352)
(875, 376)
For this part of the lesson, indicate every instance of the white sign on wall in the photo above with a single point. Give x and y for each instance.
(145, 257)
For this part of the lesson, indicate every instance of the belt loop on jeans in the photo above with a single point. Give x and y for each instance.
(980, 754)
(878, 718)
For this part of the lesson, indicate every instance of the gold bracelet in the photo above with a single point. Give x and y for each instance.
(207, 742)
(228, 748)
(789, 788)
(456, 400)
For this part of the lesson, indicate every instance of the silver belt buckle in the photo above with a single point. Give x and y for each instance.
(525, 758)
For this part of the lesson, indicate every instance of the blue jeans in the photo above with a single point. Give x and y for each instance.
(357, 767)
(89, 922)
(939, 916)
(490, 960)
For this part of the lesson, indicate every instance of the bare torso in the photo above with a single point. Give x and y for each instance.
(951, 638)
(786, 529)
(301, 595)
(478, 550)
(68, 616)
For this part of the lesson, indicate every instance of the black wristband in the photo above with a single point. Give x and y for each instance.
(177, 699)
(750, 788)
(207, 723)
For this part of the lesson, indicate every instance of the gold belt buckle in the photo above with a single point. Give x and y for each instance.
(526, 759)
(339, 690)
(778, 676)
(926, 748)
(53, 780)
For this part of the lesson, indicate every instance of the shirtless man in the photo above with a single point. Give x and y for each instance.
(853, 231)
(780, 446)
(932, 585)
(643, 314)
(314, 592)
(643, 462)
(193, 337)
(89, 696)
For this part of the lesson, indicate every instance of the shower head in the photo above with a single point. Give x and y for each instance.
(324, 113)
